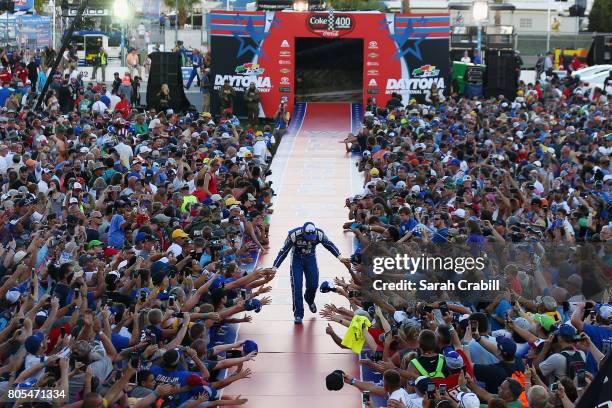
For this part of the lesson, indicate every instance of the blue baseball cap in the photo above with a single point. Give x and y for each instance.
(249, 346)
(506, 345)
(309, 231)
(566, 331)
(253, 304)
(326, 287)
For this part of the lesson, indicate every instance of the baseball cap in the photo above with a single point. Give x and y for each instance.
(605, 312)
(506, 345)
(453, 360)
(253, 304)
(33, 343)
(13, 295)
(309, 231)
(459, 213)
(468, 400)
(421, 383)
(566, 331)
(179, 233)
(545, 321)
(249, 346)
(549, 303)
(374, 172)
(335, 380)
(326, 287)
(231, 201)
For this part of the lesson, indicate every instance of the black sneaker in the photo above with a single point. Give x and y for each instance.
(312, 307)
(298, 320)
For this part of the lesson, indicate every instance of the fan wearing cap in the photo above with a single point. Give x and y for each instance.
(493, 375)
(564, 362)
(303, 241)
(600, 331)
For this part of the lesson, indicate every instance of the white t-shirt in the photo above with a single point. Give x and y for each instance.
(400, 395)
(114, 100)
(125, 153)
(176, 249)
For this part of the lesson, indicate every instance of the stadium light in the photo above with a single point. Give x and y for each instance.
(480, 14)
(480, 10)
(300, 5)
(121, 10)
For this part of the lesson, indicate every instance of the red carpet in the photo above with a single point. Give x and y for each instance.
(293, 361)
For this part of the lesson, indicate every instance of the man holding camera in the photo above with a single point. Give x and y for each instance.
(303, 240)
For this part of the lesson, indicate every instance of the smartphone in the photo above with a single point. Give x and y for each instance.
(554, 387)
(243, 293)
(580, 378)
(431, 391)
(134, 359)
(474, 325)
(442, 390)
(52, 290)
(171, 301)
(233, 354)
(62, 331)
(366, 397)
(178, 314)
(427, 309)
(352, 294)
(77, 292)
(443, 308)
(143, 296)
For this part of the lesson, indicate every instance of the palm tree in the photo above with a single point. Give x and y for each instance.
(183, 6)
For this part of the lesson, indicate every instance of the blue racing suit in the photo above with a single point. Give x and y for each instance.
(303, 263)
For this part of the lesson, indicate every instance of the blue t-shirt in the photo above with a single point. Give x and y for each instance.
(116, 236)
(602, 339)
(407, 226)
(500, 311)
(178, 377)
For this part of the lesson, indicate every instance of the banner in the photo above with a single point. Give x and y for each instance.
(402, 54)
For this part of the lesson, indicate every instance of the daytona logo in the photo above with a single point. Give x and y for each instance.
(414, 84)
(243, 81)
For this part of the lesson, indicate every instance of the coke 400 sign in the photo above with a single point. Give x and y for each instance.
(330, 25)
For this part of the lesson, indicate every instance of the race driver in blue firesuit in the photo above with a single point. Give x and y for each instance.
(304, 240)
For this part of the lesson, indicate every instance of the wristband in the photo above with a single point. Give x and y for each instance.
(353, 380)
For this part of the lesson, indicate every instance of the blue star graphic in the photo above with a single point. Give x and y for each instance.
(384, 24)
(275, 22)
(402, 36)
(254, 34)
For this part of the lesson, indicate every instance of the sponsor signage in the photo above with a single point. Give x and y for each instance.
(285, 44)
(373, 72)
(372, 64)
(284, 80)
(241, 82)
(416, 86)
(372, 45)
(330, 25)
(284, 89)
(285, 53)
(249, 69)
(285, 70)
(284, 62)
(372, 82)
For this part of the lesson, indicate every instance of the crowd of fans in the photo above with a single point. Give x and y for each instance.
(523, 182)
(129, 240)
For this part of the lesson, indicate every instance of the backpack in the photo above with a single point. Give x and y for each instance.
(573, 363)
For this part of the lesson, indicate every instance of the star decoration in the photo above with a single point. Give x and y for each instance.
(275, 22)
(384, 24)
(254, 34)
(402, 36)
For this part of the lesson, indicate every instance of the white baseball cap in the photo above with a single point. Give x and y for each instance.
(468, 400)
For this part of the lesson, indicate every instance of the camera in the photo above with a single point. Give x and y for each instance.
(431, 391)
(554, 387)
(178, 314)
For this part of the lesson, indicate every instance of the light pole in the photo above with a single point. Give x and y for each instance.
(121, 10)
(480, 14)
(548, 25)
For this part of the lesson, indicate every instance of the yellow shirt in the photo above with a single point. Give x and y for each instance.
(354, 338)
